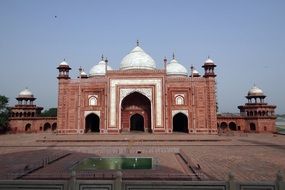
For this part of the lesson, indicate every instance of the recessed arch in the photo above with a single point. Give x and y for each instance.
(28, 127)
(223, 125)
(179, 100)
(92, 123)
(180, 123)
(132, 104)
(53, 126)
(233, 126)
(92, 101)
(47, 126)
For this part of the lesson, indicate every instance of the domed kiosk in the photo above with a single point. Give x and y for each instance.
(256, 94)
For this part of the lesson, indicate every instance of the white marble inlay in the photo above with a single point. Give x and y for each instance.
(151, 81)
(95, 112)
(174, 112)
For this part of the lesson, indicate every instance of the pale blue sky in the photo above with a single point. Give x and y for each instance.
(245, 38)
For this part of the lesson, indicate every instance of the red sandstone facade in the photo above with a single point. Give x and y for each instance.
(149, 100)
(139, 97)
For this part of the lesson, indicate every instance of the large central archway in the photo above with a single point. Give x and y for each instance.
(92, 123)
(136, 113)
(180, 123)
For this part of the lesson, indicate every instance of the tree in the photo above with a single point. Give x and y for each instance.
(4, 113)
(52, 112)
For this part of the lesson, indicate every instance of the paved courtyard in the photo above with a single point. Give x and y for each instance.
(250, 157)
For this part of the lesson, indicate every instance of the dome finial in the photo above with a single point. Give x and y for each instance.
(208, 57)
(106, 60)
(173, 56)
(102, 57)
(138, 43)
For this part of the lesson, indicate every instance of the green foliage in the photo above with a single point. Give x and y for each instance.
(4, 113)
(52, 112)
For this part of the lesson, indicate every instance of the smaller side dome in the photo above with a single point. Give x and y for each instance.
(83, 74)
(26, 93)
(99, 69)
(255, 91)
(175, 68)
(194, 72)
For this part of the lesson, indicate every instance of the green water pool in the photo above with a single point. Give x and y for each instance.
(115, 163)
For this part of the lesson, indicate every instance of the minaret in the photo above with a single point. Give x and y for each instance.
(165, 63)
(209, 75)
(63, 78)
(63, 69)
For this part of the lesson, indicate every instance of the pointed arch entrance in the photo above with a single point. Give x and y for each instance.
(137, 122)
(180, 123)
(136, 113)
(92, 123)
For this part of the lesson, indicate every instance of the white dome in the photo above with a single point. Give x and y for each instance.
(175, 68)
(26, 92)
(209, 61)
(63, 63)
(195, 72)
(99, 69)
(83, 73)
(137, 59)
(255, 91)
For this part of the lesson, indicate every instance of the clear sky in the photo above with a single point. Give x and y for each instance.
(245, 38)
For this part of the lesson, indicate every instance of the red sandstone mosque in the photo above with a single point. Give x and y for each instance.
(141, 97)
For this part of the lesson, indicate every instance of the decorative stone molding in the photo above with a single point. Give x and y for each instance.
(145, 91)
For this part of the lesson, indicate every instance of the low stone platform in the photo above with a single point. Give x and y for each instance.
(250, 157)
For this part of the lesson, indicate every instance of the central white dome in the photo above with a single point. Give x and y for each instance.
(137, 59)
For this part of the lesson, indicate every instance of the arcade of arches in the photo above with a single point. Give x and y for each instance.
(238, 125)
(38, 126)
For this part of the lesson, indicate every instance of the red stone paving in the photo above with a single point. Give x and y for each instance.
(252, 157)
